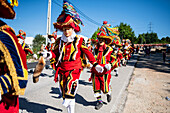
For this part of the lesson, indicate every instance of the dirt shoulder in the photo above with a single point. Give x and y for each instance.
(149, 86)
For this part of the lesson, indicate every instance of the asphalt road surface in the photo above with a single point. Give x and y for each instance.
(44, 96)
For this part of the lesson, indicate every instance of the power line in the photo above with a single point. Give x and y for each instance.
(56, 3)
(81, 13)
(91, 20)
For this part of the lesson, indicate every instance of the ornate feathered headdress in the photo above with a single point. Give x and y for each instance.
(108, 33)
(68, 17)
(21, 34)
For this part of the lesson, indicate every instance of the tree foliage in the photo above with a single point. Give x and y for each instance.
(37, 42)
(140, 39)
(94, 36)
(147, 38)
(165, 40)
(126, 32)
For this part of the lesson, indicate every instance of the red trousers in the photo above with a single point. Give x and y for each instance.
(69, 82)
(9, 104)
(101, 83)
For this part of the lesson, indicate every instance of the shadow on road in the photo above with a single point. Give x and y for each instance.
(32, 107)
(84, 83)
(46, 75)
(155, 62)
(55, 91)
(81, 100)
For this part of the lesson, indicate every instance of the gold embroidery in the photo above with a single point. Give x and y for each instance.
(10, 65)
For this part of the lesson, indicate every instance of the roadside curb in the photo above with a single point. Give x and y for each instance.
(119, 106)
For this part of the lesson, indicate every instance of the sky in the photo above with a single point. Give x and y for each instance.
(141, 15)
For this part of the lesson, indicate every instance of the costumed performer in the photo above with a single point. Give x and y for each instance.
(103, 55)
(21, 39)
(66, 55)
(13, 67)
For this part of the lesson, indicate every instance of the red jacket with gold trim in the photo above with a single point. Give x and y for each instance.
(71, 54)
(104, 55)
(13, 67)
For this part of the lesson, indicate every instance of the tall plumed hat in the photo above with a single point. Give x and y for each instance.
(104, 22)
(128, 41)
(108, 33)
(21, 34)
(6, 8)
(116, 38)
(68, 17)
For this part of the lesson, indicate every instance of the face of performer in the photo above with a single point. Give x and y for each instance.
(101, 41)
(67, 31)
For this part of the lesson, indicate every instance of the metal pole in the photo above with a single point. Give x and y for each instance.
(48, 20)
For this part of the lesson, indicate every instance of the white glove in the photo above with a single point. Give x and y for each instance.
(47, 55)
(35, 56)
(127, 52)
(20, 41)
(52, 40)
(99, 69)
(108, 66)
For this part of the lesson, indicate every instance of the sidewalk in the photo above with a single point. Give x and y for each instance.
(149, 88)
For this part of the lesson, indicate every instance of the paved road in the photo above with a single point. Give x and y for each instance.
(43, 97)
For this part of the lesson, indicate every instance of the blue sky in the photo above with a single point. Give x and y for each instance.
(31, 15)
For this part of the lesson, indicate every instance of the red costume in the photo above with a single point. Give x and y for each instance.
(103, 55)
(67, 54)
(70, 65)
(13, 70)
(21, 39)
(13, 67)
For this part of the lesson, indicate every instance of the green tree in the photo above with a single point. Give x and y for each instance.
(151, 38)
(147, 38)
(141, 39)
(37, 42)
(126, 32)
(94, 36)
(165, 40)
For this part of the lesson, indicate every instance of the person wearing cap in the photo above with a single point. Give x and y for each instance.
(104, 56)
(13, 67)
(66, 56)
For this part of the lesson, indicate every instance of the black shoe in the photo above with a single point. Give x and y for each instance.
(116, 75)
(109, 98)
(98, 105)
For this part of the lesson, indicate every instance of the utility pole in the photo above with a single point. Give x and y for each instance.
(48, 20)
(150, 27)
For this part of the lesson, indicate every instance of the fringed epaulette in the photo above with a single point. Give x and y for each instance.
(4, 26)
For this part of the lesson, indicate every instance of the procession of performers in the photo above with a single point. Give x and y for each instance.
(68, 55)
